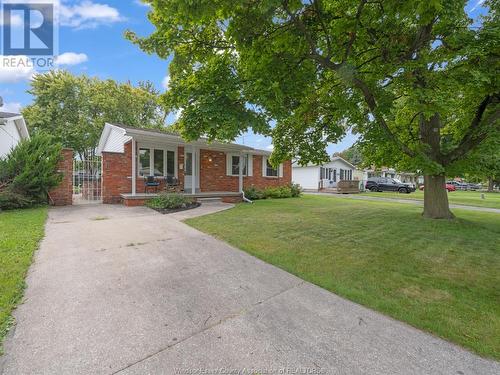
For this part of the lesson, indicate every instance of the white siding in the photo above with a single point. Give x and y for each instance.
(307, 177)
(116, 140)
(9, 137)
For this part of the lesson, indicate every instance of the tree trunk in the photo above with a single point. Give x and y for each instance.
(436, 204)
(490, 184)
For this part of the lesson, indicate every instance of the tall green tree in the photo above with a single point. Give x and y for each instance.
(418, 80)
(74, 109)
(352, 154)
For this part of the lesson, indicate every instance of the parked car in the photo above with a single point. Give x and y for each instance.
(388, 184)
(447, 186)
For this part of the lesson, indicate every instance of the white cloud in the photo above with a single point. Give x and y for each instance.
(139, 2)
(165, 82)
(15, 69)
(71, 58)
(12, 107)
(88, 15)
(270, 147)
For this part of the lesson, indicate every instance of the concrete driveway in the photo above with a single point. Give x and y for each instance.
(129, 291)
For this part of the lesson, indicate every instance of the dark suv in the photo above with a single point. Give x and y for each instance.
(388, 184)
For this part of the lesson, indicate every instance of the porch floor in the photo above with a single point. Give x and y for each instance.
(204, 194)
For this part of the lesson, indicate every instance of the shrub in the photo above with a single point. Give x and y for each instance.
(169, 201)
(287, 191)
(10, 200)
(29, 172)
(253, 193)
(296, 190)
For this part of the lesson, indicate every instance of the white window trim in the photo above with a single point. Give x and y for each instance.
(151, 159)
(229, 164)
(264, 169)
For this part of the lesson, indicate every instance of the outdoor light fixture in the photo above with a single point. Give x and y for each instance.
(210, 159)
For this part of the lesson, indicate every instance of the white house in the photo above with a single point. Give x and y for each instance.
(12, 130)
(326, 175)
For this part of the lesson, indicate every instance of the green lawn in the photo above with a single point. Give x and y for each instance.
(441, 276)
(468, 198)
(20, 233)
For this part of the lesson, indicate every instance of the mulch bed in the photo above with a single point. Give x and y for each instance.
(188, 206)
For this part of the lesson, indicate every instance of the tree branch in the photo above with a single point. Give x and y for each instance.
(354, 32)
(476, 133)
(372, 104)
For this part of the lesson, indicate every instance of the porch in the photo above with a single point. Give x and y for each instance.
(139, 199)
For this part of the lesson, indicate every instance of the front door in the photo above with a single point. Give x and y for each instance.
(190, 165)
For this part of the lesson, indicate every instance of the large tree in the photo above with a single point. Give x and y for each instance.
(353, 155)
(418, 80)
(74, 109)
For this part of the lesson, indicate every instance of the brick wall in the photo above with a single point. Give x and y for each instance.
(63, 194)
(116, 174)
(213, 174)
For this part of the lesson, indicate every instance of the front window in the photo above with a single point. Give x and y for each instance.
(158, 162)
(171, 163)
(144, 162)
(270, 170)
(235, 165)
(155, 162)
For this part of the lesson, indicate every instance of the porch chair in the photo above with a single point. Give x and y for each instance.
(150, 183)
(172, 184)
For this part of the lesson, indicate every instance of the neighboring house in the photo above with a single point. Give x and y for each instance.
(12, 131)
(203, 169)
(314, 177)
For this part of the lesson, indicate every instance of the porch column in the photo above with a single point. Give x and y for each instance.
(240, 174)
(134, 166)
(193, 170)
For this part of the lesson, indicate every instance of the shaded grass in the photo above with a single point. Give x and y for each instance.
(20, 233)
(467, 198)
(440, 276)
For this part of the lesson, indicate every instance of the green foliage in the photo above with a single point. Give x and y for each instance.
(10, 200)
(418, 80)
(353, 155)
(29, 172)
(287, 191)
(75, 108)
(169, 201)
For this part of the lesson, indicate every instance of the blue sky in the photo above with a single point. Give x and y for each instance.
(91, 41)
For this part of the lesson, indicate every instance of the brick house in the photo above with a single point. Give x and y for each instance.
(203, 169)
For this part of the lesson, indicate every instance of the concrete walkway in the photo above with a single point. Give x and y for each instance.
(117, 290)
(406, 201)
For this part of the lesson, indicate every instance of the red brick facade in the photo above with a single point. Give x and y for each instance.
(117, 175)
(63, 194)
(213, 173)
